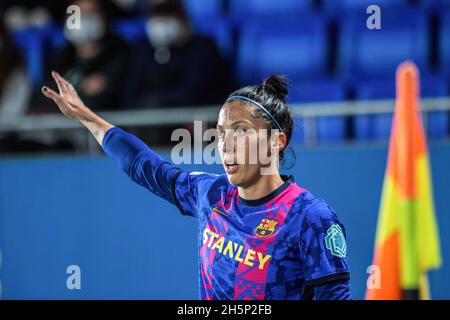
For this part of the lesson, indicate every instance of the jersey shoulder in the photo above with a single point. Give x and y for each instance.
(210, 187)
(192, 188)
(316, 216)
(314, 208)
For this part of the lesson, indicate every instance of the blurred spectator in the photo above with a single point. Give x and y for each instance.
(21, 14)
(15, 91)
(94, 61)
(24, 13)
(174, 66)
(15, 87)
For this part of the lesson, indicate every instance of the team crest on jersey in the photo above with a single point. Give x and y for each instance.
(265, 228)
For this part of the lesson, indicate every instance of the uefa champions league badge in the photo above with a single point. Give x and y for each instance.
(335, 241)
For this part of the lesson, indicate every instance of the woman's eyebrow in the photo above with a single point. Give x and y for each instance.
(240, 121)
(220, 127)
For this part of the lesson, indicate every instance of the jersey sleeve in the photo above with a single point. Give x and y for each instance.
(323, 247)
(336, 290)
(190, 189)
(145, 167)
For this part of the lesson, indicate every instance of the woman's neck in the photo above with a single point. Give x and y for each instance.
(265, 185)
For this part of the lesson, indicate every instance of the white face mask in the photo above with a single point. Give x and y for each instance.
(163, 32)
(92, 28)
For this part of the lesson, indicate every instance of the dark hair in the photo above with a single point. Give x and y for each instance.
(168, 8)
(271, 94)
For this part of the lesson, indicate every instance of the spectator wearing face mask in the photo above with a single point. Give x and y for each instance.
(94, 60)
(15, 93)
(174, 66)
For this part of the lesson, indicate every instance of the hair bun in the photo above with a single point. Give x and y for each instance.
(276, 85)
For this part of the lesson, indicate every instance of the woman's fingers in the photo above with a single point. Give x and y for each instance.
(62, 103)
(49, 93)
(67, 100)
(59, 83)
(60, 79)
(69, 89)
(63, 84)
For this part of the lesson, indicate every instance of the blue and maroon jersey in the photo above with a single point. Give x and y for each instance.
(276, 247)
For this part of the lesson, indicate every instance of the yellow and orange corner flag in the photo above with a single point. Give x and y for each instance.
(407, 240)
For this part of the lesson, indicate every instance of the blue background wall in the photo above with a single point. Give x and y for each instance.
(59, 211)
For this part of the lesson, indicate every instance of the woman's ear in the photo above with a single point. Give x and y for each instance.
(278, 141)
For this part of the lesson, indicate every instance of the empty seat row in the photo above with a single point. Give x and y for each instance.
(370, 127)
(237, 9)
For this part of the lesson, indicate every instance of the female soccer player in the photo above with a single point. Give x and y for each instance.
(261, 236)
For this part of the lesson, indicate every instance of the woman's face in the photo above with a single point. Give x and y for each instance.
(92, 24)
(244, 143)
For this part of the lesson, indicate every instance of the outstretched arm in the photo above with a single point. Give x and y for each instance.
(71, 106)
(134, 157)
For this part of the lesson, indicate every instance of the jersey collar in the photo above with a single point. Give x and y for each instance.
(257, 202)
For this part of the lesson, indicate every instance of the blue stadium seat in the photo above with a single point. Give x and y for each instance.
(130, 30)
(298, 50)
(305, 91)
(30, 42)
(218, 29)
(365, 53)
(344, 5)
(328, 129)
(242, 10)
(200, 9)
(444, 43)
(54, 38)
(435, 5)
(377, 127)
